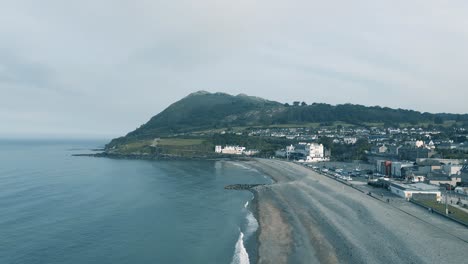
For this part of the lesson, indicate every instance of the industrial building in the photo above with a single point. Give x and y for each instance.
(414, 190)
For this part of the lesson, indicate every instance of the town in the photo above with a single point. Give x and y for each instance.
(426, 166)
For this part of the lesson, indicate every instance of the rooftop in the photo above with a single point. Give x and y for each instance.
(415, 186)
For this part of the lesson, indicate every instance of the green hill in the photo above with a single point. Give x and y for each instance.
(202, 111)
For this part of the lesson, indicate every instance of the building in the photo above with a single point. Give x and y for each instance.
(463, 146)
(384, 167)
(316, 153)
(413, 153)
(392, 168)
(393, 149)
(461, 190)
(452, 169)
(407, 191)
(350, 140)
(251, 152)
(230, 150)
(379, 149)
(218, 149)
(307, 152)
(429, 164)
(464, 175)
(316, 150)
(447, 145)
(419, 143)
(398, 166)
(441, 161)
(442, 179)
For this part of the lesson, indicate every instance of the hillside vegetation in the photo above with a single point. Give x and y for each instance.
(206, 113)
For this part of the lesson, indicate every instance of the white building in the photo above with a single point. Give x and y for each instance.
(419, 144)
(408, 190)
(218, 149)
(350, 140)
(316, 153)
(231, 150)
(290, 149)
(251, 152)
(316, 150)
(307, 152)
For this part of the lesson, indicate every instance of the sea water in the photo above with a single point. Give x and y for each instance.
(57, 208)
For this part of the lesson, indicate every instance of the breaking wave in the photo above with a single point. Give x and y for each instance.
(240, 254)
(245, 167)
(252, 225)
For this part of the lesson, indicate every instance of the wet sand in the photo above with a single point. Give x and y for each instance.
(305, 217)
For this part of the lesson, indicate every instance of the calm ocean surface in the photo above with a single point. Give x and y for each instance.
(55, 208)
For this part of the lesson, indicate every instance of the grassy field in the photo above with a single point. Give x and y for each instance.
(179, 142)
(135, 146)
(172, 145)
(456, 213)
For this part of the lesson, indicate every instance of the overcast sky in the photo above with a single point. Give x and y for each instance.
(103, 67)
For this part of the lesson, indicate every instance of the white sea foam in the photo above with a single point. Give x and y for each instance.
(238, 164)
(240, 254)
(246, 204)
(252, 224)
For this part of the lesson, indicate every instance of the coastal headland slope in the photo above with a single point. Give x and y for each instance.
(194, 125)
(305, 217)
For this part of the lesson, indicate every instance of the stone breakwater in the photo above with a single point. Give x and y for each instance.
(242, 186)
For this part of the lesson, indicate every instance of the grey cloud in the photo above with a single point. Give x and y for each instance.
(107, 66)
(13, 70)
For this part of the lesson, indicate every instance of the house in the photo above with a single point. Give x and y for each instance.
(350, 140)
(430, 145)
(414, 190)
(379, 149)
(463, 146)
(447, 145)
(419, 143)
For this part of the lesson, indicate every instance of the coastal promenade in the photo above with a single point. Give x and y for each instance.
(306, 217)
